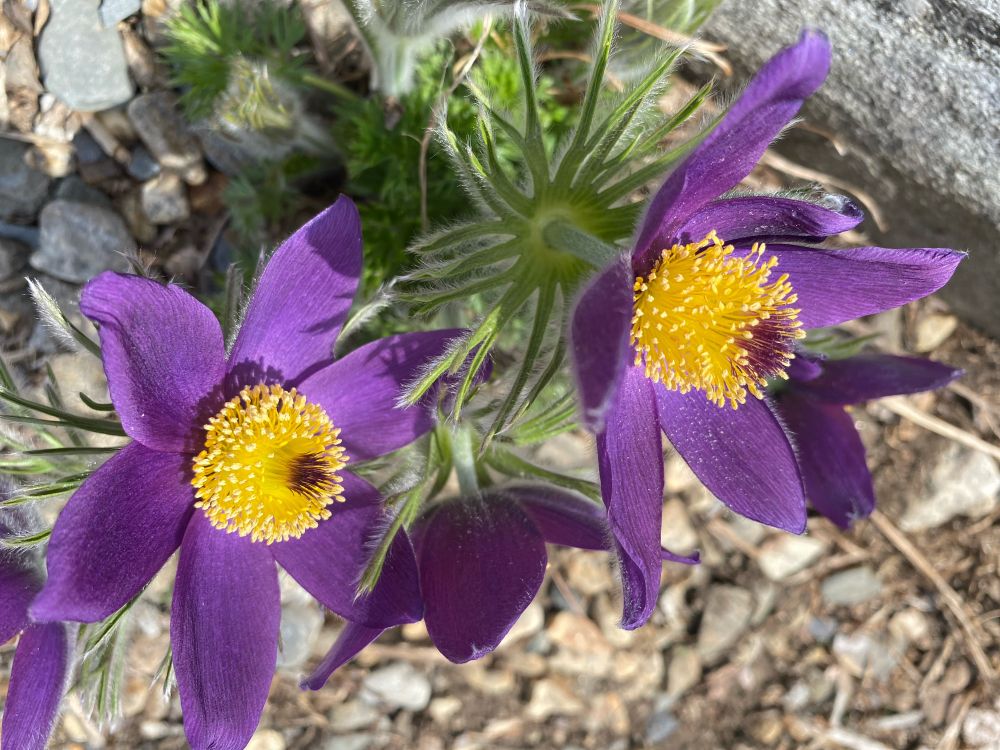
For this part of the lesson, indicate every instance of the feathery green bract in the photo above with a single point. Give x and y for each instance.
(546, 223)
(402, 32)
(683, 17)
(206, 38)
(383, 158)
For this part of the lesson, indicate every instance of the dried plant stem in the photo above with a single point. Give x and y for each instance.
(776, 161)
(949, 740)
(708, 50)
(971, 629)
(905, 409)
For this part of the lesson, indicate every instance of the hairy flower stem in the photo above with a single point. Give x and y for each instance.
(463, 456)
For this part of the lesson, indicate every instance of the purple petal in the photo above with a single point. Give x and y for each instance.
(599, 339)
(360, 391)
(328, 561)
(831, 458)
(301, 300)
(37, 682)
(805, 367)
(224, 634)
(742, 455)
(834, 286)
(163, 354)
(563, 517)
(772, 98)
(759, 218)
(18, 584)
(481, 563)
(630, 458)
(115, 533)
(351, 641)
(693, 559)
(868, 376)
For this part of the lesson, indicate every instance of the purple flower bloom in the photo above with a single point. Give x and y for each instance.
(830, 454)
(482, 560)
(254, 443)
(42, 660)
(703, 313)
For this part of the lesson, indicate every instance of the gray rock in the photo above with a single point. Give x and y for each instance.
(861, 654)
(443, 708)
(13, 257)
(661, 725)
(76, 373)
(352, 715)
(684, 670)
(166, 135)
(727, 615)
(266, 739)
(785, 555)
(300, 626)
(83, 62)
(676, 532)
(852, 586)
(222, 153)
(22, 189)
(399, 685)
(552, 697)
(823, 629)
(79, 240)
(358, 741)
(74, 189)
(933, 330)
(982, 728)
(113, 11)
(164, 199)
(914, 92)
(963, 482)
(142, 165)
(16, 315)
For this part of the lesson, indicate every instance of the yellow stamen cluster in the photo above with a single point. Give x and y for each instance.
(706, 319)
(269, 467)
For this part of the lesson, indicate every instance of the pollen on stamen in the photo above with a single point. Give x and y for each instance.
(269, 466)
(708, 320)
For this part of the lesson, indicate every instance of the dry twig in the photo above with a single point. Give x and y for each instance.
(776, 161)
(972, 632)
(708, 50)
(902, 407)
(949, 740)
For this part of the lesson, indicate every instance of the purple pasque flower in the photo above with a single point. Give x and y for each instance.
(43, 656)
(482, 560)
(811, 405)
(684, 334)
(239, 460)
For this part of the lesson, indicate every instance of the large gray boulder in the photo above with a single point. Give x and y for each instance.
(915, 94)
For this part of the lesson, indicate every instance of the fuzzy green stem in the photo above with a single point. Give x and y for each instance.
(463, 457)
(331, 87)
(566, 237)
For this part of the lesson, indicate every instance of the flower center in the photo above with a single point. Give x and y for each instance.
(705, 319)
(269, 467)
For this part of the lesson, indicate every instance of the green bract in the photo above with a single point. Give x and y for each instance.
(547, 218)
